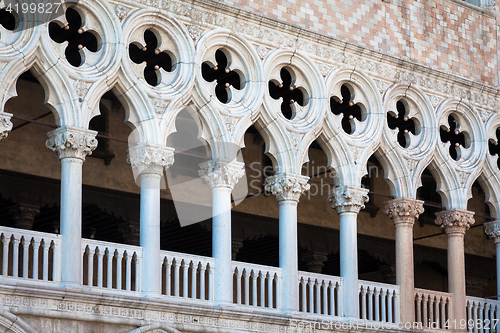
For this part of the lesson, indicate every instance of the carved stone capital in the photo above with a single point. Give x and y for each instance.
(348, 199)
(5, 124)
(404, 210)
(236, 245)
(314, 261)
(24, 216)
(219, 173)
(455, 221)
(287, 186)
(150, 159)
(492, 229)
(69, 142)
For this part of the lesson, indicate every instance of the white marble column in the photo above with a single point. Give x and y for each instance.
(492, 229)
(5, 125)
(148, 162)
(348, 201)
(72, 145)
(288, 188)
(455, 222)
(403, 212)
(222, 176)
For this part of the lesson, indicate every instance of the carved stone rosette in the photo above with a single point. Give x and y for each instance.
(404, 210)
(70, 142)
(5, 125)
(348, 199)
(150, 159)
(492, 229)
(219, 173)
(287, 186)
(455, 220)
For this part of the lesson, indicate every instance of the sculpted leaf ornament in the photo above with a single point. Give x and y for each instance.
(455, 220)
(70, 142)
(5, 125)
(404, 210)
(492, 229)
(348, 199)
(287, 186)
(150, 158)
(218, 173)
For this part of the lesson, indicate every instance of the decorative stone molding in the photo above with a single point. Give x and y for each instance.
(150, 158)
(70, 142)
(455, 220)
(287, 186)
(218, 173)
(492, 229)
(348, 199)
(404, 210)
(314, 261)
(5, 125)
(121, 11)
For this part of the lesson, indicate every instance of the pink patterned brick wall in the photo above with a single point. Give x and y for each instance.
(443, 34)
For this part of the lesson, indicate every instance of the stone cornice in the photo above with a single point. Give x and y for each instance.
(492, 229)
(287, 187)
(348, 199)
(327, 49)
(404, 210)
(218, 173)
(150, 159)
(70, 142)
(455, 220)
(5, 124)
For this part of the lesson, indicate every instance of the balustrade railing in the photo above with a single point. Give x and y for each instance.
(379, 301)
(482, 315)
(30, 254)
(256, 285)
(188, 276)
(111, 265)
(433, 309)
(321, 294)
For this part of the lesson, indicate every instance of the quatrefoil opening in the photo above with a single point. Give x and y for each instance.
(346, 107)
(288, 92)
(455, 136)
(400, 120)
(151, 55)
(8, 20)
(494, 147)
(223, 75)
(75, 37)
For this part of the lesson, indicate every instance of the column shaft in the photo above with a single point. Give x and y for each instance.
(221, 244)
(150, 233)
(403, 212)
(288, 253)
(348, 201)
(455, 222)
(456, 274)
(349, 262)
(71, 217)
(404, 271)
